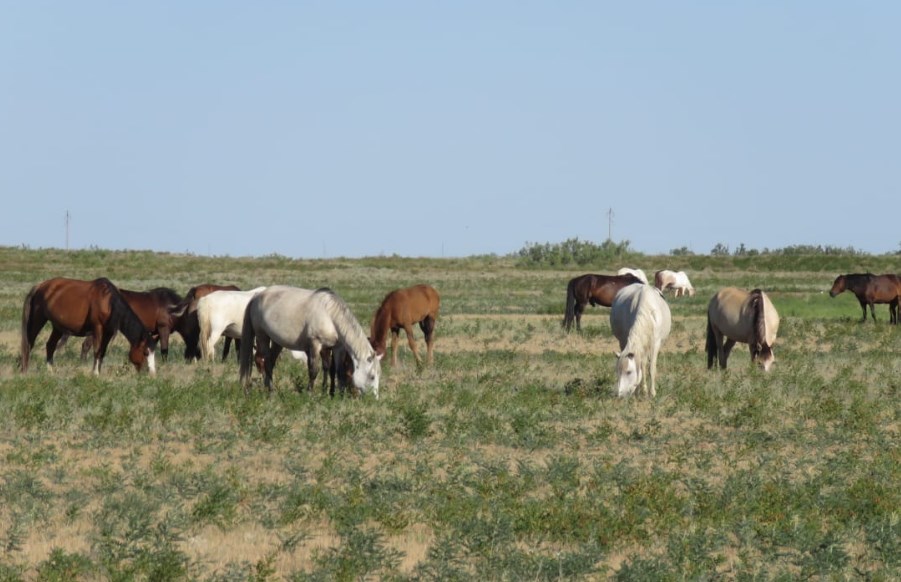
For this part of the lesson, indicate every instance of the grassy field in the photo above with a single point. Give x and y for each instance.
(508, 459)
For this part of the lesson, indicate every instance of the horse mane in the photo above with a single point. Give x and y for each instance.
(121, 315)
(167, 294)
(348, 327)
(641, 334)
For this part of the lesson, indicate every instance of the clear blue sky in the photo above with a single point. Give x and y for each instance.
(328, 128)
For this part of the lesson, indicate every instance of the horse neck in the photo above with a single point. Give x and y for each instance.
(758, 305)
(350, 332)
(127, 322)
(379, 330)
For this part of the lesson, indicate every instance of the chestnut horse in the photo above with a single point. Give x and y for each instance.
(593, 289)
(189, 327)
(83, 308)
(402, 308)
(870, 289)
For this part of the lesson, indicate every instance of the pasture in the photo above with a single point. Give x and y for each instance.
(508, 458)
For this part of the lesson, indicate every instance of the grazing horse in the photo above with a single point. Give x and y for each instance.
(738, 316)
(593, 289)
(402, 308)
(675, 280)
(641, 321)
(637, 272)
(190, 327)
(84, 308)
(158, 311)
(306, 320)
(221, 313)
(870, 289)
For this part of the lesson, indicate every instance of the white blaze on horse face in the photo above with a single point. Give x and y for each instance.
(767, 360)
(628, 375)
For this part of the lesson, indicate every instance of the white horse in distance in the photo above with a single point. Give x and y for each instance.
(675, 280)
(641, 321)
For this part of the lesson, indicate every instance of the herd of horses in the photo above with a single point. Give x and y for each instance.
(316, 325)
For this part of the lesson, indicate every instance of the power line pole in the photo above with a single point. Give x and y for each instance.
(68, 220)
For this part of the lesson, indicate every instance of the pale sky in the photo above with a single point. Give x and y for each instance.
(324, 129)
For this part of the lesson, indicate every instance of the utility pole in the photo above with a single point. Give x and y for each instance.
(610, 224)
(68, 220)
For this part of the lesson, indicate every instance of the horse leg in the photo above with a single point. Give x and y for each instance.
(313, 355)
(86, 346)
(226, 345)
(428, 329)
(872, 312)
(395, 334)
(52, 341)
(727, 349)
(100, 348)
(863, 307)
(652, 372)
(411, 341)
(578, 309)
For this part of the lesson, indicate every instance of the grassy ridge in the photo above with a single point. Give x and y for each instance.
(507, 459)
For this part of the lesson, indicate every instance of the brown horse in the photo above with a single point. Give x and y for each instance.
(401, 309)
(189, 326)
(157, 310)
(871, 289)
(84, 308)
(593, 289)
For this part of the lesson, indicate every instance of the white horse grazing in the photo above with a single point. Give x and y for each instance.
(283, 317)
(635, 272)
(739, 316)
(221, 313)
(641, 321)
(675, 280)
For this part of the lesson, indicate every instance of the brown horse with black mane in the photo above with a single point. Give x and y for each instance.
(871, 289)
(158, 311)
(401, 309)
(593, 289)
(83, 308)
(189, 326)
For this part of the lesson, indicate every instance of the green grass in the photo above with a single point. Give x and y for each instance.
(507, 459)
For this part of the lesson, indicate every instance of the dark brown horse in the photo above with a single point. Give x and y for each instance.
(84, 308)
(594, 290)
(401, 309)
(869, 290)
(158, 311)
(189, 326)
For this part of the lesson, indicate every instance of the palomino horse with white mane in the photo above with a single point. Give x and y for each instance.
(739, 316)
(675, 280)
(641, 321)
(283, 317)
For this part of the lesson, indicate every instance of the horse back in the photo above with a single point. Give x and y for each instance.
(70, 303)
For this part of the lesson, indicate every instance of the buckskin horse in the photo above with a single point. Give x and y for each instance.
(401, 309)
(739, 316)
(869, 290)
(84, 308)
(592, 289)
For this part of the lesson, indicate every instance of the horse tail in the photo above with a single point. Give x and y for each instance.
(245, 353)
(206, 348)
(570, 312)
(25, 346)
(759, 319)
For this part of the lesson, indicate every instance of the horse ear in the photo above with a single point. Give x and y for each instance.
(617, 354)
